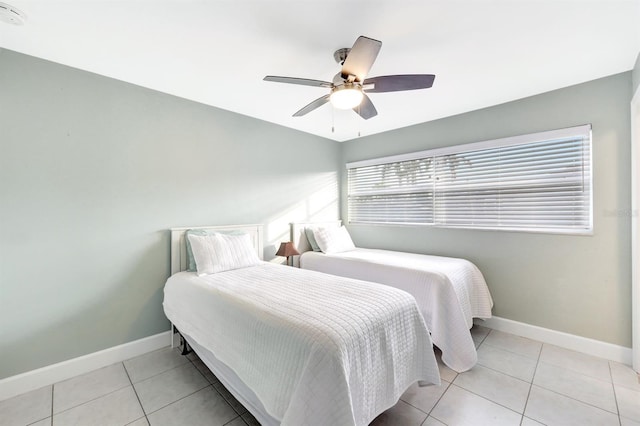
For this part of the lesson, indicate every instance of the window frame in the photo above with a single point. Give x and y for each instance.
(582, 131)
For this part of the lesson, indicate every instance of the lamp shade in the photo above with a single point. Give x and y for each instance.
(287, 249)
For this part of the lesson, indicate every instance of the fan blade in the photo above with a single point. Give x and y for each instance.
(361, 57)
(301, 81)
(313, 105)
(366, 109)
(398, 83)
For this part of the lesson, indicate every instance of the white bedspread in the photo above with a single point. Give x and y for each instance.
(450, 292)
(316, 349)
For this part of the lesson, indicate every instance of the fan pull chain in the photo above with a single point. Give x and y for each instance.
(333, 120)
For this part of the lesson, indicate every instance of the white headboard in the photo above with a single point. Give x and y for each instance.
(179, 249)
(298, 236)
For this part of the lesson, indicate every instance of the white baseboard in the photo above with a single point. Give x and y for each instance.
(585, 345)
(35, 379)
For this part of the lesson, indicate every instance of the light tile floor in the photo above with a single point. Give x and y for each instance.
(517, 382)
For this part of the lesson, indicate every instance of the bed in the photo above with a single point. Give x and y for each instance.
(450, 292)
(298, 347)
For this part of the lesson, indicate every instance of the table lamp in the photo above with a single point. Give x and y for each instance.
(287, 250)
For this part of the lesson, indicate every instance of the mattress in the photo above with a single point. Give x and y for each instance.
(315, 349)
(450, 292)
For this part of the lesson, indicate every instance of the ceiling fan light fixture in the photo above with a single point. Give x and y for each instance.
(346, 96)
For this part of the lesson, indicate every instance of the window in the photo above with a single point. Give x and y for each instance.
(539, 182)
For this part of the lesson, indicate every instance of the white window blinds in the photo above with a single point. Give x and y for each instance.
(539, 182)
(392, 193)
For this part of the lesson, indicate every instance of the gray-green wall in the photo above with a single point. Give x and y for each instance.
(576, 284)
(636, 75)
(93, 172)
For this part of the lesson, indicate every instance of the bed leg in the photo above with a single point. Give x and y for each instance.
(184, 345)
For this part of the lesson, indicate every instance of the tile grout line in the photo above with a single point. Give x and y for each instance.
(615, 396)
(578, 401)
(157, 374)
(50, 417)
(575, 399)
(91, 400)
(535, 370)
(478, 395)
(227, 401)
(234, 419)
(507, 374)
(216, 389)
(495, 402)
(483, 339)
(211, 384)
(516, 353)
(434, 405)
(591, 377)
(188, 361)
(136, 393)
(581, 371)
(109, 393)
(194, 365)
(52, 388)
(180, 399)
(487, 399)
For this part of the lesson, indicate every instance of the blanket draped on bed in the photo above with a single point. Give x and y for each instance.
(316, 349)
(450, 292)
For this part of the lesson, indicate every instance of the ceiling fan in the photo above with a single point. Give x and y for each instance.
(350, 86)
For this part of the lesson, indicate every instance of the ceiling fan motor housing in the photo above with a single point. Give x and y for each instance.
(340, 55)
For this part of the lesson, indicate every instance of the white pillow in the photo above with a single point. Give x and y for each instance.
(220, 252)
(333, 239)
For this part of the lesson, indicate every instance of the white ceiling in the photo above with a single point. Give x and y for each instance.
(483, 52)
